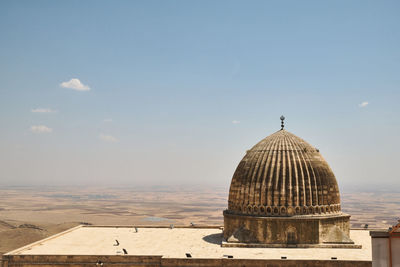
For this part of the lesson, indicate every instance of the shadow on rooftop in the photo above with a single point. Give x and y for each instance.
(213, 239)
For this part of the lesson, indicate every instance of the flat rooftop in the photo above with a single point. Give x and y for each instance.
(176, 242)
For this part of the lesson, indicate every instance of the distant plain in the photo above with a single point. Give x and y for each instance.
(28, 214)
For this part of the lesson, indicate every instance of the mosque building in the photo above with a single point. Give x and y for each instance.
(283, 210)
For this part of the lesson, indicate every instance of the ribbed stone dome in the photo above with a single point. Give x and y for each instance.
(283, 175)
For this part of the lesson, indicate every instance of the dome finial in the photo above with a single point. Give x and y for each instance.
(282, 123)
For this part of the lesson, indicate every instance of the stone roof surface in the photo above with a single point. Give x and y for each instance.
(283, 175)
(176, 242)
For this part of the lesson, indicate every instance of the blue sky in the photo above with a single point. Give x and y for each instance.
(177, 91)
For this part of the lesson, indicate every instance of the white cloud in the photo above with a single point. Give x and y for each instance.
(43, 110)
(38, 129)
(107, 120)
(75, 84)
(363, 104)
(235, 122)
(108, 138)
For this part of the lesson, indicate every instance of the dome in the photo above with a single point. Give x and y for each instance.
(283, 175)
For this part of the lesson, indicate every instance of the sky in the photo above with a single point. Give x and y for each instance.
(145, 93)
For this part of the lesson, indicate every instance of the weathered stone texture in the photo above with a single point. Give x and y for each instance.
(284, 192)
(288, 231)
(283, 175)
(158, 261)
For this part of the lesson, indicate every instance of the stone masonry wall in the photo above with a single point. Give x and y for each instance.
(158, 261)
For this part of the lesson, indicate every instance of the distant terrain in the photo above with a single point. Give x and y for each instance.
(28, 214)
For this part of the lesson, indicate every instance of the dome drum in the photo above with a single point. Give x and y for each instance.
(311, 231)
